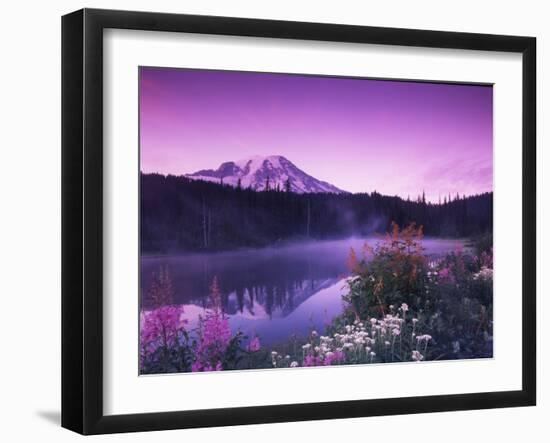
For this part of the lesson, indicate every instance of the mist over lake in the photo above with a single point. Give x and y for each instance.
(273, 292)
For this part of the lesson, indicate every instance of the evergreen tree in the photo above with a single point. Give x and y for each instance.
(288, 186)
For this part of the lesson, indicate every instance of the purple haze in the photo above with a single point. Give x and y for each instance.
(398, 138)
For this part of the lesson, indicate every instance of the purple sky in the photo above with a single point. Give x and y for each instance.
(361, 135)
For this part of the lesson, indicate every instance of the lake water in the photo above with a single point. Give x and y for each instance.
(273, 292)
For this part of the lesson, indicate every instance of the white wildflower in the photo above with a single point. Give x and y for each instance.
(485, 274)
(456, 347)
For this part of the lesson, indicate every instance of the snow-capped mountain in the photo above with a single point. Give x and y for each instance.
(261, 173)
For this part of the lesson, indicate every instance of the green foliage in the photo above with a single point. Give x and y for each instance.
(178, 357)
(234, 353)
(483, 243)
(392, 272)
(452, 298)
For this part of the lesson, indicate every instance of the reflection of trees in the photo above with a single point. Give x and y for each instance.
(277, 292)
(277, 299)
(277, 284)
(239, 293)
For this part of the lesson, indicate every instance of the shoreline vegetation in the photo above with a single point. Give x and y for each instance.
(400, 305)
(183, 215)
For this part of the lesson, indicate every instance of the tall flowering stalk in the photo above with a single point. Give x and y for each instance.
(214, 335)
(254, 345)
(161, 291)
(161, 327)
(394, 271)
(446, 275)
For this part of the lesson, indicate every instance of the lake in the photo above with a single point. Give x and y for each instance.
(273, 292)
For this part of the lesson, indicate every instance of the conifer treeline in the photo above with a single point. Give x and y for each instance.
(178, 214)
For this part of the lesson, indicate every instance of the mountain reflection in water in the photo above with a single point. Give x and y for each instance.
(273, 292)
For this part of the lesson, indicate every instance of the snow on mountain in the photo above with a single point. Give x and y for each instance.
(261, 173)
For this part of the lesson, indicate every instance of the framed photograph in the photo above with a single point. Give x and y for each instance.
(268, 221)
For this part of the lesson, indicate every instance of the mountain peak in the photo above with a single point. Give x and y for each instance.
(265, 172)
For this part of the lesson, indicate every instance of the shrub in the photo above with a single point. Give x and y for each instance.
(451, 297)
(392, 272)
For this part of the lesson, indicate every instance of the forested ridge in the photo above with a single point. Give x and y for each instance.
(179, 214)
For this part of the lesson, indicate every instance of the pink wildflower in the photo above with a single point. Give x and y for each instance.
(161, 327)
(334, 357)
(446, 275)
(327, 359)
(254, 344)
(311, 360)
(486, 259)
(214, 335)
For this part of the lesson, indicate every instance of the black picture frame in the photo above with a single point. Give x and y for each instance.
(82, 220)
